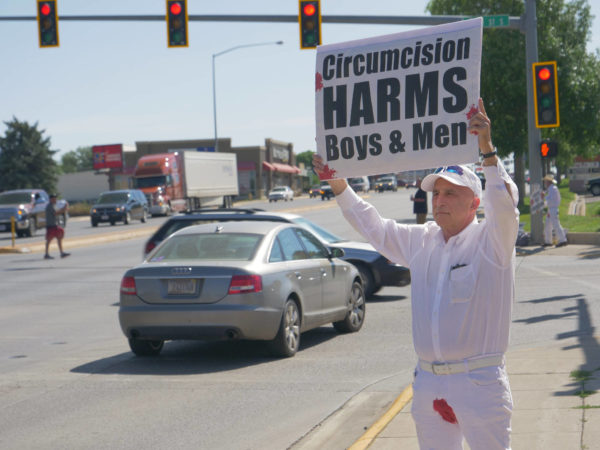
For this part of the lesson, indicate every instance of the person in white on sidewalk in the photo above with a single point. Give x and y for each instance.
(462, 292)
(552, 199)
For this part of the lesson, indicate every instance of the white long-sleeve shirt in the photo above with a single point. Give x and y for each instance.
(463, 289)
(552, 196)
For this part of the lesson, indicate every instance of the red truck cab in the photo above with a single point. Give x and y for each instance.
(160, 178)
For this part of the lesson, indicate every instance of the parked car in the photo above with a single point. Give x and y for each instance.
(593, 186)
(281, 193)
(387, 183)
(267, 281)
(326, 191)
(314, 191)
(28, 207)
(375, 269)
(120, 206)
(360, 184)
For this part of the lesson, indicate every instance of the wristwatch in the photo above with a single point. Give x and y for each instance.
(490, 154)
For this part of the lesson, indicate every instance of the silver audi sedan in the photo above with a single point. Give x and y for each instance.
(267, 281)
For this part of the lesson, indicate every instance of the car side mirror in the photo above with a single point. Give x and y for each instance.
(336, 252)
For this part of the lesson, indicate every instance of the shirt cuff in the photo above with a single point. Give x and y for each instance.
(496, 174)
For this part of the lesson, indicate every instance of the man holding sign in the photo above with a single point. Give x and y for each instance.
(411, 101)
(462, 289)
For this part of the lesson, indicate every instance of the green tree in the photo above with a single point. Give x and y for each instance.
(77, 160)
(26, 159)
(563, 31)
(306, 158)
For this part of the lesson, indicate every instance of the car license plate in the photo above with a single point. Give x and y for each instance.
(182, 286)
(104, 217)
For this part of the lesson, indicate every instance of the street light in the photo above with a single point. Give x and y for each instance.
(213, 77)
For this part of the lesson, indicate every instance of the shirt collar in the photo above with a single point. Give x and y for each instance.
(460, 237)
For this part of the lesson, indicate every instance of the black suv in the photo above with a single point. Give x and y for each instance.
(119, 206)
(375, 269)
(326, 191)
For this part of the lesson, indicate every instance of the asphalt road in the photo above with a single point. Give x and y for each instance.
(68, 379)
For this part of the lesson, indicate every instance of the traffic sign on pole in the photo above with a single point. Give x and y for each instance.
(496, 21)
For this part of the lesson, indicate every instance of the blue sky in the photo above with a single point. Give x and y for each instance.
(117, 82)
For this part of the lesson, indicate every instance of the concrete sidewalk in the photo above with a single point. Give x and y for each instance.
(549, 410)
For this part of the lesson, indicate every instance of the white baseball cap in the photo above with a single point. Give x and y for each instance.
(459, 175)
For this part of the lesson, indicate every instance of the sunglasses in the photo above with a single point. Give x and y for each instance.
(453, 169)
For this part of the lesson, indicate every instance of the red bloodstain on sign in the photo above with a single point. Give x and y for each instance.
(327, 173)
(318, 82)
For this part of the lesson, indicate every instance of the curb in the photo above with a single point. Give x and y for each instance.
(82, 241)
(14, 250)
(371, 434)
(583, 238)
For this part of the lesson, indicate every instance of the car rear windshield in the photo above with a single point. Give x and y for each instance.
(219, 247)
(113, 197)
(10, 198)
(325, 235)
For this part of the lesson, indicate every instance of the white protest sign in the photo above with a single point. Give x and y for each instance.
(398, 102)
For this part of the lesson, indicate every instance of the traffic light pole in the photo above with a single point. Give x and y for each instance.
(533, 133)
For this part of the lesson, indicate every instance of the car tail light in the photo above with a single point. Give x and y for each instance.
(241, 284)
(128, 286)
(150, 245)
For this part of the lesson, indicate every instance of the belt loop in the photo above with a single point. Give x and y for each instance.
(466, 363)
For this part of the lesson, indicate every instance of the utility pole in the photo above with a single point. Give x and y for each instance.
(533, 133)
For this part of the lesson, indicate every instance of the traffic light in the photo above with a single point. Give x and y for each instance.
(309, 19)
(47, 23)
(548, 149)
(545, 94)
(177, 23)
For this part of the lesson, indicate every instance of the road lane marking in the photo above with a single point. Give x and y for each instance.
(369, 436)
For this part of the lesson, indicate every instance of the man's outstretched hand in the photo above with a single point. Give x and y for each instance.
(338, 185)
(481, 125)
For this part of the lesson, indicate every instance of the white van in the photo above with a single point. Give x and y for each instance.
(360, 184)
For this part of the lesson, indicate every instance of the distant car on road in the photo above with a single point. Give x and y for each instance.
(359, 184)
(314, 191)
(326, 191)
(120, 206)
(267, 281)
(281, 193)
(375, 269)
(28, 207)
(387, 183)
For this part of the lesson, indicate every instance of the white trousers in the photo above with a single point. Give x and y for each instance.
(481, 400)
(552, 222)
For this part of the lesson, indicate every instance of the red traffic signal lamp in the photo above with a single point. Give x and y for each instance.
(177, 23)
(548, 149)
(309, 19)
(545, 94)
(47, 19)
